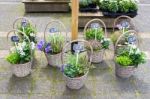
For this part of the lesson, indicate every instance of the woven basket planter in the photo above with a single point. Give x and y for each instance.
(22, 70)
(54, 60)
(124, 72)
(97, 56)
(75, 83)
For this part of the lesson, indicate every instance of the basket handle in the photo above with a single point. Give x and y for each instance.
(21, 18)
(99, 20)
(55, 21)
(18, 31)
(130, 31)
(63, 51)
(123, 16)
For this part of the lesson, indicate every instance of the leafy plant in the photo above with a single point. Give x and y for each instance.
(86, 3)
(53, 45)
(75, 69)
(29, 30)
(94, 35)
(20, 54)
(113, 6)
(124, 6)
(131, 56)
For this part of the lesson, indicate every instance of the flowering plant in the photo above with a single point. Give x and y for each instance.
(20, 54)
(29, 30)
(98, 35)
(54, 45)
(130, 56)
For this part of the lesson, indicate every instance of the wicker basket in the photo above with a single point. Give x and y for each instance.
(124, 72)
(21, 70)
(75, 83)
(97, 56)
(128, 71)
(54, 60)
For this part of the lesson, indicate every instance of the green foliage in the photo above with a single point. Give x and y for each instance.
(13, 58)
(113, 6)
(76, 69)
(20, 54)
(118, 5)
(57, 42)
(91, 34)
(130, 56)
(30, 31)
(124, 60)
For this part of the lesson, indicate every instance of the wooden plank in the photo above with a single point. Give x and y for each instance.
(75, 11)
(46, 1)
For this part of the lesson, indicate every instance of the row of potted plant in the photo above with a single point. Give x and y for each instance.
(119, 7)
(75, 62)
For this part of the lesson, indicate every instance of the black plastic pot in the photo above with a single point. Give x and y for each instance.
(114, 15)
(90, 8)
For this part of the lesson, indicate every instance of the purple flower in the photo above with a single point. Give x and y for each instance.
(48, 48)
(41, 45)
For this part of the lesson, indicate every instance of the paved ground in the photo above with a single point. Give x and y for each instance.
(46, 82)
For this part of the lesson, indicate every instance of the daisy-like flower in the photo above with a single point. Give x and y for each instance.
(32, 34)
(32, 45)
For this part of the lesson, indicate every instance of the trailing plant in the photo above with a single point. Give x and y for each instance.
(76, 66)
(131, 56)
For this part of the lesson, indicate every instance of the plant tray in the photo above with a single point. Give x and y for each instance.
(114, 15)
(88, 9)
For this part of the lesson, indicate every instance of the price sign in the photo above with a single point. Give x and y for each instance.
(53, 30)
(95, 25)
(78, 48)
(125, 24)
(132, 39)
(15, 39)
(24, 23)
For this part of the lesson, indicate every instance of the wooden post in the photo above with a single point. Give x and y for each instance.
(75, 11)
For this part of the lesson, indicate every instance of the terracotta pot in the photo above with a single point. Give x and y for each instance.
(75, 83)
(54, 60)
(124, 72)
(22, 70)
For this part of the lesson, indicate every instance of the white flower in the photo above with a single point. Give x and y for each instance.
(22, 53)
(138, 51)
(23, 44)
(32, 45)
(32, 34)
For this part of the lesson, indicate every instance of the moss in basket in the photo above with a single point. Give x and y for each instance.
(20, 54)
(131, 56)
(74, 69)
(98, 35)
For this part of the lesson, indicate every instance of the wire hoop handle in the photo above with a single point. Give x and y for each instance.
(67, 44)
(55, 21)
(98, 20)
(117, 19)
(21, 18)
(130, 31)
(16, 34)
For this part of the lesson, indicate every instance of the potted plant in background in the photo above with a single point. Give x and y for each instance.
(114, 8)
(20, 55)
(95, 35)
(127, 55)
(88, 5)
(76, 66)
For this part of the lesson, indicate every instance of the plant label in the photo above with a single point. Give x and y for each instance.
(78, 48)
(53, 30)
(15, 39)
(24, 23)
(132, 39)
(95, 25)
